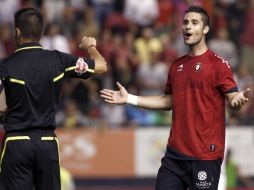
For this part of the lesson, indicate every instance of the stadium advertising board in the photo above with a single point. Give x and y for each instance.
(97, 153)
(150, 146)
(136, 152)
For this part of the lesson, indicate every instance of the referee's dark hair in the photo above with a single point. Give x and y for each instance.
(30, 23)
(200, 10)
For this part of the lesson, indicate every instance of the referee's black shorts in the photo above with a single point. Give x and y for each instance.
(188, 174)
(30, 160)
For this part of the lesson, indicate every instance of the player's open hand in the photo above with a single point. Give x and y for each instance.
(115, 97)
(240, 98)
(87, 42)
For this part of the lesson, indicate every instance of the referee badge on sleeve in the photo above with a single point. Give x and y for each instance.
(81, 66)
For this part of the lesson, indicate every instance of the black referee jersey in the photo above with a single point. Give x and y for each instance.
(32, 78)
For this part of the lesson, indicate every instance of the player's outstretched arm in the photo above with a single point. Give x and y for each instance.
(237, 99)
(121, 96)
(89, 44)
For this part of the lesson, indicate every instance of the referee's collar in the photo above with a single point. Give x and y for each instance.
(29, 45)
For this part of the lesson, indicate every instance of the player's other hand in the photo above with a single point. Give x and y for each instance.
(87, 42)
(115, 97)
(239, 99)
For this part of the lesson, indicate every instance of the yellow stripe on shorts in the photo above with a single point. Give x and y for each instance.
(57, 142)
(14, 138)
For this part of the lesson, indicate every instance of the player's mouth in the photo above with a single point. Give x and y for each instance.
(187, 35)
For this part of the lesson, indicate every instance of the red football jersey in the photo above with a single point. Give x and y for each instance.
(197, 85)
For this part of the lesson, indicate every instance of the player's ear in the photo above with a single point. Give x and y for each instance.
(206, 30)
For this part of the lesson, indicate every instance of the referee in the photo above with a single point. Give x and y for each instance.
(32, 78)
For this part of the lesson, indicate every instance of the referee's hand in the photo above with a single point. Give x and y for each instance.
(87, 42)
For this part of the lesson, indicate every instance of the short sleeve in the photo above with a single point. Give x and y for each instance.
(168, 88)
(224, 78)
(77, 67)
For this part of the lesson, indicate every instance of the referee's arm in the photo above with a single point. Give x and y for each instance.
(89, 44)
(2, 98)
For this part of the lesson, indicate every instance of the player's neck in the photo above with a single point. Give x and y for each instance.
(198, 49)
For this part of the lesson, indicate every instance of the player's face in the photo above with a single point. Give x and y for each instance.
(193, 28)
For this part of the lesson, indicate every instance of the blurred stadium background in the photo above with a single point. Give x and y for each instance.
(119, 147)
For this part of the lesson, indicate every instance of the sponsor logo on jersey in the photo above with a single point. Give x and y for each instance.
(198, 67)
(81, 66)
(180, 68)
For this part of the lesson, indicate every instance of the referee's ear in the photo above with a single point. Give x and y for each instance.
(17, 33)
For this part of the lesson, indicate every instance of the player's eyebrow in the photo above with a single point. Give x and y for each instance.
(190, 20)
(194, 20)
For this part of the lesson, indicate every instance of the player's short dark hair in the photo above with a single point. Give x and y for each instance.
(200, 10)
(30, 23)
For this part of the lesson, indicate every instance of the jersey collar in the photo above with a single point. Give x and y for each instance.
(30, 45)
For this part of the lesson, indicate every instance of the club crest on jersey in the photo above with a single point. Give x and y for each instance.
(81, 66)
(180, 68)
(198, 67)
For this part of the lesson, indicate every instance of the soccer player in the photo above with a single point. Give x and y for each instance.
(32, 78)
(197, 86)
